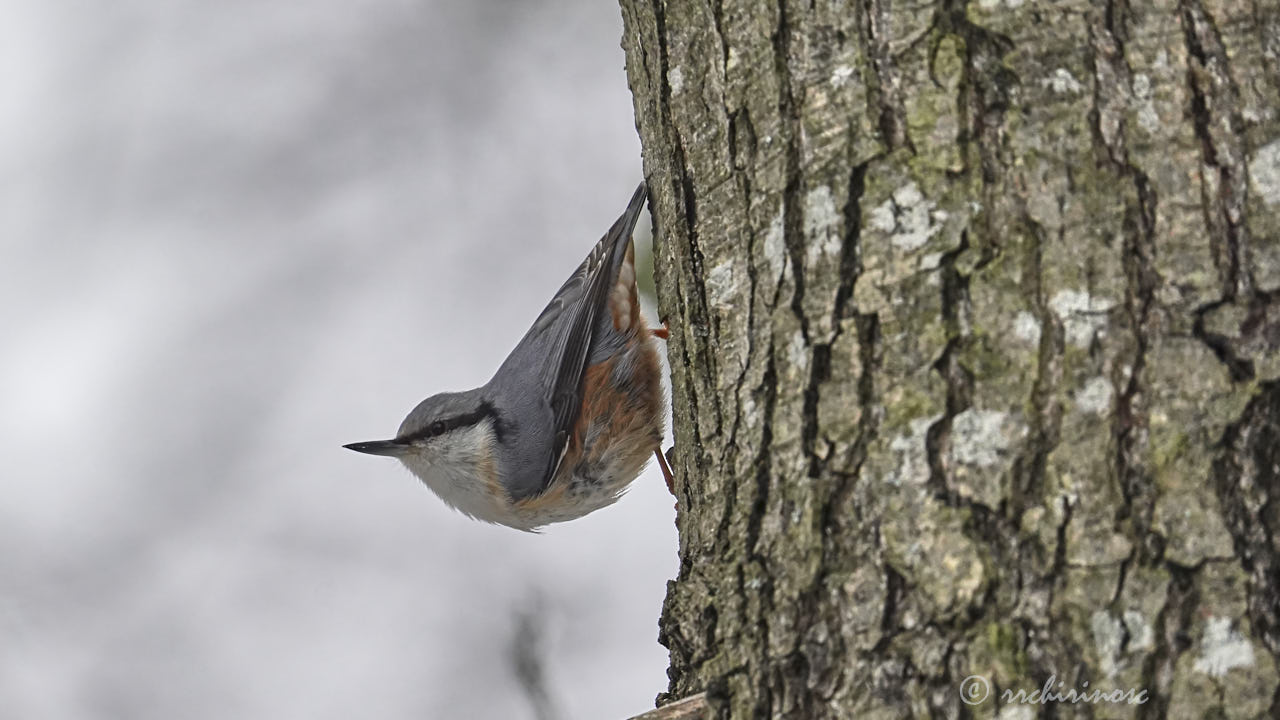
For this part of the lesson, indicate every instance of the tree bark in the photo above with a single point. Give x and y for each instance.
(975, 339)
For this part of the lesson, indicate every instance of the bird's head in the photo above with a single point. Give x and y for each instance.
(449, 441)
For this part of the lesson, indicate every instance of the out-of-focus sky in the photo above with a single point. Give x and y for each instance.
(236, 235)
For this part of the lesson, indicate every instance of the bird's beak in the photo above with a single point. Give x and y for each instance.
(379, 447)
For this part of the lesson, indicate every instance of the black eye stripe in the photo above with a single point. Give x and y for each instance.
(447, 425)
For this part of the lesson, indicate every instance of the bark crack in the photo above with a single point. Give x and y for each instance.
(955, 289)
(769, 389)
(1138, 229)
(820, 366)
(696, 337)
(984, 89)
(1215, 113)
(792, 216)
(1241, 369)
(1246, 479)
(1045, 419)
(1172, 639)
(785, 606)
(885, 92)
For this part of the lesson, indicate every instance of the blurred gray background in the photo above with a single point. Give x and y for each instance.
(233, 237)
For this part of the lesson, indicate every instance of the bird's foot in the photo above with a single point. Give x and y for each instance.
(666, 471)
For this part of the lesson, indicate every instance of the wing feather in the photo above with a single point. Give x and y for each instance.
(577, 305)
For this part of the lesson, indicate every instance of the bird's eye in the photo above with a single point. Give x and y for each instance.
(437, 428)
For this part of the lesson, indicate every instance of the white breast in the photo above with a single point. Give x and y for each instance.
(460, 469)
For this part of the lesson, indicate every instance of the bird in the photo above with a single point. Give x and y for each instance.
(569, 419)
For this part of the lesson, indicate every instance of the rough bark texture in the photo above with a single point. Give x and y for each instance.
(975, 339)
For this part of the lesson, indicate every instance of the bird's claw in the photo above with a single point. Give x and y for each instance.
(666, 471)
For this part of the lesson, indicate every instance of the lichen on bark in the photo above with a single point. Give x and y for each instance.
(974, 349)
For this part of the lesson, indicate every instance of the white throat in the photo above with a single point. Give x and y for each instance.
(461, 469)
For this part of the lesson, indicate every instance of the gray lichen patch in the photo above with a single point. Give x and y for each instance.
(822, 224)
(1222, 648)
(1148, 116)
(1223, 663)
(824, 239)
(925, 542)
(908, 218)
(1082, 314)
(1141, 636)
(1108, 636)
(982, 451)
(1243, 693)
(908, 211)
(722, 286)
(1016, 711)
(775, 251)
(1218, 669)
(1061, 81)
(1191, 523)
(912, 467)
(1095, 397)
(1141, 596)
(1264, 173)
(1264, 220)
(982, 438)
(1027, 328)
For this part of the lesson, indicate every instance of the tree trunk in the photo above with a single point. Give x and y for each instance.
(975, 317)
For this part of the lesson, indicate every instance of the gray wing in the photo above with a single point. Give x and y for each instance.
(566, 327)
(595, 276)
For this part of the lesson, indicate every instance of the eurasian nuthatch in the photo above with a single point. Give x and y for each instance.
(569, 419)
